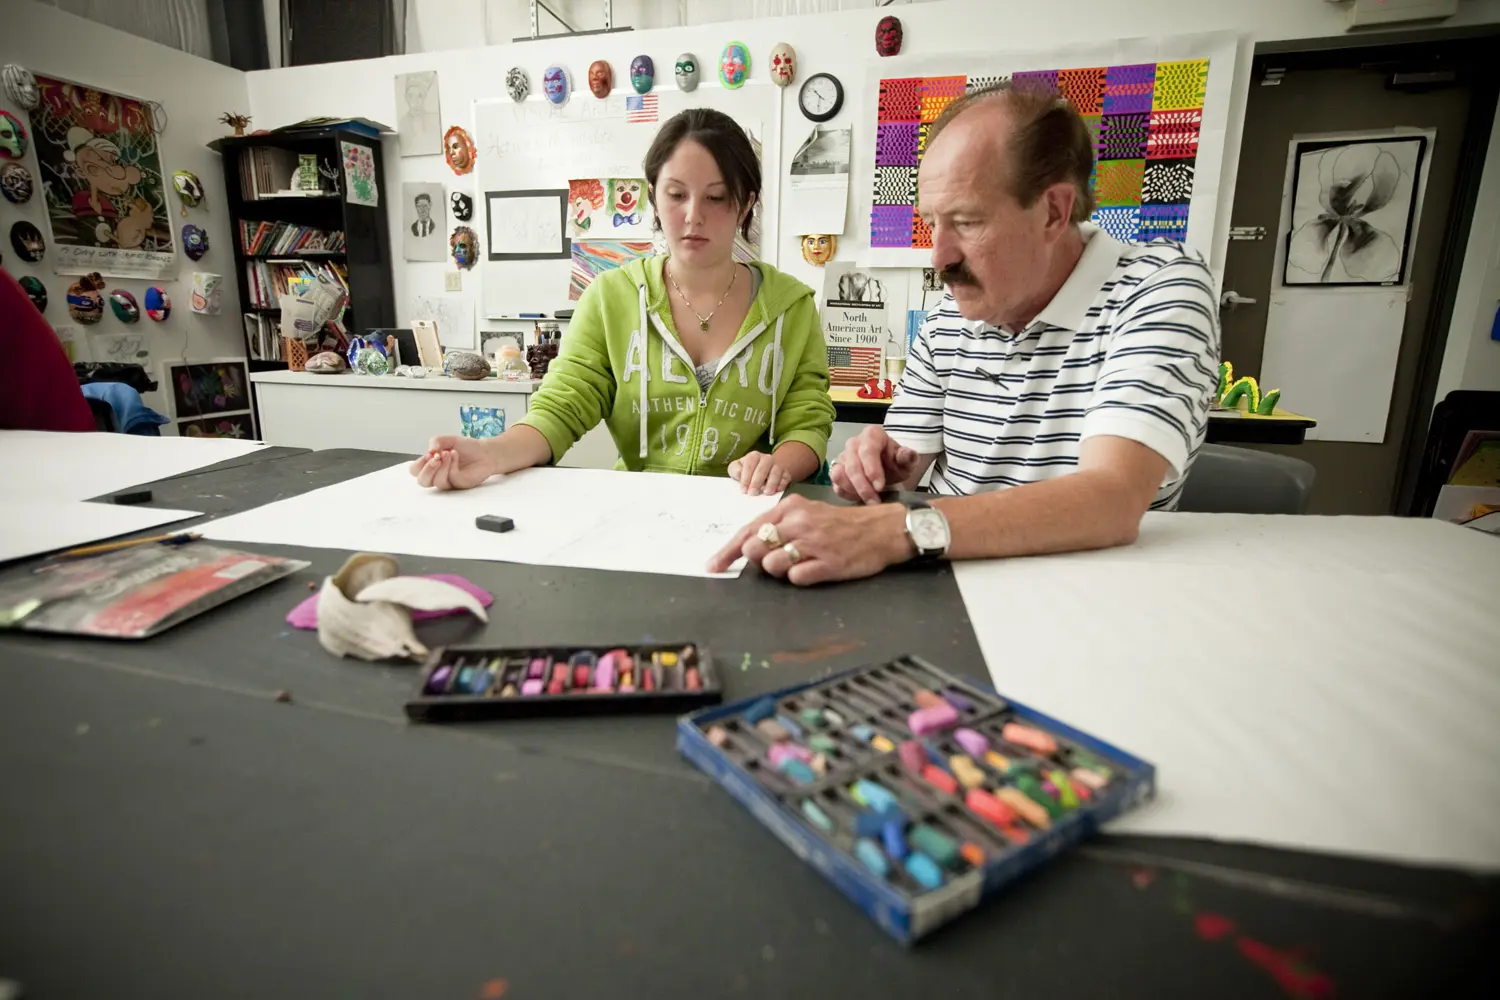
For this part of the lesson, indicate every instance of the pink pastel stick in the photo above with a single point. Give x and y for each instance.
(932, 720)
(532, 686)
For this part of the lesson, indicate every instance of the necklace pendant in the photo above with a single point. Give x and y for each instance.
(703, 325)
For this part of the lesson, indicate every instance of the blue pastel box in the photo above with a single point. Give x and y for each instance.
(869, 700)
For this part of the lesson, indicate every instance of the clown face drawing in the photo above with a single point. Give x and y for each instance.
(625, 201)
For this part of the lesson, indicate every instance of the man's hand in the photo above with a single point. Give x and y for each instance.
(831, 543)
(454, 463)
(870, 463)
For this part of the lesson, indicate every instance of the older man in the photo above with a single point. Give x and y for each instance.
(1059, 391)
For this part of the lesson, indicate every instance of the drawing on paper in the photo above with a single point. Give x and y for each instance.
(1353, 204)
(608, 208)
(592, 258)
(360, 187)
(200, 389)
(420, 132)
(1145, 119)
(238, 425)
(423, 222)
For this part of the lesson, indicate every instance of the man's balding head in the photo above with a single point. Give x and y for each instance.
(1003, 183)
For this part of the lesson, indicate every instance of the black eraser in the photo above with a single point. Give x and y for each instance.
(493, 522)
(137, 496)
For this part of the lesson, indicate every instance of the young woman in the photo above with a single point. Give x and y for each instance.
(697, 363)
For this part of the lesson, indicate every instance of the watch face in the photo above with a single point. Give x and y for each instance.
(929, 529)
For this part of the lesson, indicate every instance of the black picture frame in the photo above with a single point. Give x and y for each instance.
(565, 247)
(1295, 275)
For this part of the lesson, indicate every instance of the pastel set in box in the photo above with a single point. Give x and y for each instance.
(916, 793)
(481, 682)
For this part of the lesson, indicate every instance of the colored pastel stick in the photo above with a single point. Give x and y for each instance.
(762, 709)
(924, 870)
(870, 855)
(932, 720)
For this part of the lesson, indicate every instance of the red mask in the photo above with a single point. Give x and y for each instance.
(888, 36)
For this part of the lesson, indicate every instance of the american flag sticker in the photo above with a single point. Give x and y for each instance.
(641, 108)
(853, 365)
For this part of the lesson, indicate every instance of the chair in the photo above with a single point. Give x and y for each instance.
(1227, 480)
(104, 415)
(1460, 412)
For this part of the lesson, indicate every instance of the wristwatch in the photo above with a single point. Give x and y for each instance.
(928, 530)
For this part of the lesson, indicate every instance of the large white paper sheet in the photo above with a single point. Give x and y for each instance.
(48, 465)
(586, 518)
(32, 527)
(1322, 683)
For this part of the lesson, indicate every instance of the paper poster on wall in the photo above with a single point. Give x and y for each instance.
(1353, 203)
(746, 248)
(231, 425)
(424, 222)
(75, 343)
(1157, 110)
(592, 258)
(360, 186)
(454, 315)
(100, 165)
(608, 208)
(816, 197)
(120, 349)
(527, 225)
(853, 323)
(419, 130)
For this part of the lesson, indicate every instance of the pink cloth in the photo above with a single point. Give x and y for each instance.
(305, 615)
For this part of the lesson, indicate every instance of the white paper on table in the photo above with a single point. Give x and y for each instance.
(51, 465)
(637, 522)
(32, 527)
(1321, 683)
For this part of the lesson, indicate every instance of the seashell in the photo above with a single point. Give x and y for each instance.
(325, 363)
(466, 365)
(363, 608)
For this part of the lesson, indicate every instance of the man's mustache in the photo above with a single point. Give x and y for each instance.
(958, 274)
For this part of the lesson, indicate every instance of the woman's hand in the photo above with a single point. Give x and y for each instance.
(454, 463)
(759, 473)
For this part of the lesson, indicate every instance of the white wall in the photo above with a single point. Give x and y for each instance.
(194, 93)
(845, 48)
(1472, 359)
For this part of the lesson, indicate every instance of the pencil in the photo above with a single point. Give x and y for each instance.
(94, 550)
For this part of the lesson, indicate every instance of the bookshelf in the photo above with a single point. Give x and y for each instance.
(278, 234)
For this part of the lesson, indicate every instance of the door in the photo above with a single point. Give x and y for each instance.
(1316, 95)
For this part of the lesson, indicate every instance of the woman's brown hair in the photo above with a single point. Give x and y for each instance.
(725, 141)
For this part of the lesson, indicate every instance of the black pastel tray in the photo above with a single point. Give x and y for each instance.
(465, 683)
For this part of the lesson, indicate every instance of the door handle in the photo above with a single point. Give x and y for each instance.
(1231, 300)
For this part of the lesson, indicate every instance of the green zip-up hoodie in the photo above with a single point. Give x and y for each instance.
(621, 362)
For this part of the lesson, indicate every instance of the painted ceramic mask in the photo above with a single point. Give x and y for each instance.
(158, 304)
(687, 72)
(642, 74)
(15, 183)
(819, 248)
(517, 84)
(12, 136)
(464, 245)
(555, 85)
(21, 86)
(189, 189)
(86, 299)
(783, 64)
(463, 206)
(207, 293)
(194, 242)
(125, 308)
(35, 291)
(888, 35)
(734, 65)
(625, 201)
(458, 150)
(28, 242)
(601, 78)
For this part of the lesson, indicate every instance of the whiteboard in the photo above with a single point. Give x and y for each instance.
(534, 145)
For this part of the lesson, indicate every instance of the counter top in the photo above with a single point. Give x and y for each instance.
(433, 382)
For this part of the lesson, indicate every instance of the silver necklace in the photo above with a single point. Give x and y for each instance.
(703, 320)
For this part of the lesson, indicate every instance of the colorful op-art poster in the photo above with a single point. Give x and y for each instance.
(608, 208)
(1146, 119)
(592, 258)
(101, 171)
(359, 175)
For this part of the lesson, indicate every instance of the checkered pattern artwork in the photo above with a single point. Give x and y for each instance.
(1144, 119)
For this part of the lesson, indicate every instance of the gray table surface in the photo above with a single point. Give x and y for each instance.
(172, 830)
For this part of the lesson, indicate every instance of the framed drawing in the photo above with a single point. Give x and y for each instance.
(528, 225)
(1353, 210)
(206, 388)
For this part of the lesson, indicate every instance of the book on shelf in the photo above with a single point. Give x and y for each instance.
(262, 337)
(268, 239)
(266, 281)
(268, 172)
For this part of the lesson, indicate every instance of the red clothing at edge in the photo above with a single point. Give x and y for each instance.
(38, 390)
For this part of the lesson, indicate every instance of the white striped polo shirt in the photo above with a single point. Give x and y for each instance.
(1128, 347)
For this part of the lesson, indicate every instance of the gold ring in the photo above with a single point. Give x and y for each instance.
(769, 535)
(792, 553)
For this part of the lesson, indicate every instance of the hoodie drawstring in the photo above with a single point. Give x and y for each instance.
(641, 332)
(775, 373)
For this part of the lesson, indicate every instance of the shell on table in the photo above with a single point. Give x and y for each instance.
(325, 363)
(466, 365)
